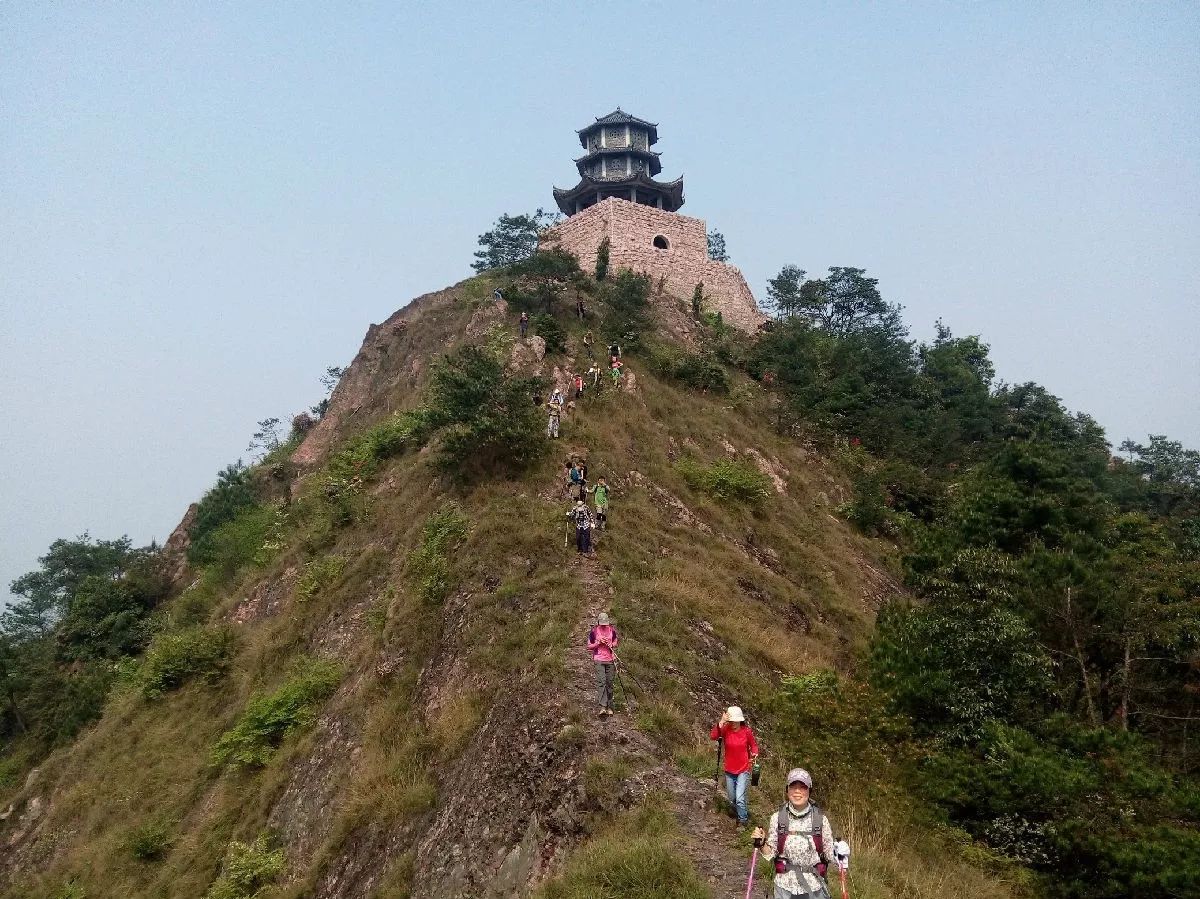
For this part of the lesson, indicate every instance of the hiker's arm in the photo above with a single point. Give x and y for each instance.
(716, 733)
(770, 838)
(753, 744)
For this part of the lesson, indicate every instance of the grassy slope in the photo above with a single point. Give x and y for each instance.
(706, 623)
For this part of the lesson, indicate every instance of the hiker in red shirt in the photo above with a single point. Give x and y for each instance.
(741, 749)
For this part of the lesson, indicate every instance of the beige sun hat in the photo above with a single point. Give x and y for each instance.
(602, 618)
(734, 713)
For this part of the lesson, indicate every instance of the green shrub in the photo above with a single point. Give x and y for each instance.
(175, 658)
(602, 260)
(627, 297)
(237, 542)
(728, 480)
(547, 327)
(700, 371)
(229, 497)
(71, 890)
(318, 574)
(248, 871)
(360, 458)
(486, 418)
(269, 718)
(149, 842)
(444, 531)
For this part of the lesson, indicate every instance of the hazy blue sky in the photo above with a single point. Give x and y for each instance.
(203, 205)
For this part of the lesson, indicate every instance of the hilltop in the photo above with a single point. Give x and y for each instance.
(367, 676)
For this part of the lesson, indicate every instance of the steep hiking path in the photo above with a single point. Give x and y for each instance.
(704, 835)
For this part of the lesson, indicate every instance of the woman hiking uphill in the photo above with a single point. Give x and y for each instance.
(800, 842)
(602, 640)
(741, 749)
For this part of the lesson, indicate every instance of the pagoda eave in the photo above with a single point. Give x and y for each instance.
(666, 195)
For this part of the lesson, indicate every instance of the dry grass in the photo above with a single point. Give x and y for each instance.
(682, 597)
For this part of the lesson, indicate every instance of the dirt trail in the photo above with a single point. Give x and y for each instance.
(705, 835)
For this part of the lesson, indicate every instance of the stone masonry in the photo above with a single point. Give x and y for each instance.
(636, 236)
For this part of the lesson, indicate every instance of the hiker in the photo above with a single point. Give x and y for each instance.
(741, 750)
(587, 345)
(555, 407)
(595, 373)
(574, 481)
(579, 309)
(583, 527)
(524, 320)
(578, 382)
(497, 294)
(602, 640)
(797, 840)
(614, 351)
(600, 492)
(616, 371)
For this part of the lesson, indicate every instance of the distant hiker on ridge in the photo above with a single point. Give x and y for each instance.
(601, 497)
(524, 321)
(602, 640)
(583, 527)
(741, 749)
(555, 407)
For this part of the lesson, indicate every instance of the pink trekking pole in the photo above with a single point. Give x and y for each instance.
(753, 864)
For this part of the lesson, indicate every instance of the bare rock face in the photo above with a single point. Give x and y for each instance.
(771, 468)
(527, 353)
(382, 362)
(486, 317)
(176, 547)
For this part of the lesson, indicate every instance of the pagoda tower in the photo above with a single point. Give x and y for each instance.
(619, 163)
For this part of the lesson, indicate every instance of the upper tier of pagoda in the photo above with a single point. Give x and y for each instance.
(619, 163)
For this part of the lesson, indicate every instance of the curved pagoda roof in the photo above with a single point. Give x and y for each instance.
(589, 189)
(651, 155)
(618, 117)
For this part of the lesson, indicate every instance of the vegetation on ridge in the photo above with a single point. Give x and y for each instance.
(1016, 724)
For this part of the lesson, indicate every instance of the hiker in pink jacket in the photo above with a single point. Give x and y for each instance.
(602, 640)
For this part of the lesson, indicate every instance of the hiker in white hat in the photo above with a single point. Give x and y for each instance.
(602, 640)
(741, 749)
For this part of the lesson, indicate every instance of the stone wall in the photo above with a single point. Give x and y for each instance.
(631, 229)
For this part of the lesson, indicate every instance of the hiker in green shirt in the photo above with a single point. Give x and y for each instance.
(601, 492)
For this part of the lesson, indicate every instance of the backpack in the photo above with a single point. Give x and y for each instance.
(782, 863)
(615, 638)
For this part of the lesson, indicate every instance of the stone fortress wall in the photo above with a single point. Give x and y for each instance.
(632, 229)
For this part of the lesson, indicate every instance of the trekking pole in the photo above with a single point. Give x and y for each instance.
(621, 665)
(841, 852)
(753, 864)
(720, 747)
(621, 684)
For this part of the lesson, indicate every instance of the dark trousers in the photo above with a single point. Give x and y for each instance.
(583, 540)
(604, 683)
